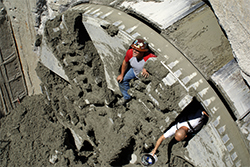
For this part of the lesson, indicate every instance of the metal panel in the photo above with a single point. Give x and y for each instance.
(12, 83)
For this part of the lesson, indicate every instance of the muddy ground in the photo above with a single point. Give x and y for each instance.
(44, 129)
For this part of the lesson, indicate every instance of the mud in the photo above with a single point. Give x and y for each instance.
(31, 134)
(78, 123)
(203, 43)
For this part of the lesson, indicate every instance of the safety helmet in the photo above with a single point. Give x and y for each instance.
(148, 159)
(140, 45)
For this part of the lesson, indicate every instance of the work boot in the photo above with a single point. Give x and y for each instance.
(122, 101)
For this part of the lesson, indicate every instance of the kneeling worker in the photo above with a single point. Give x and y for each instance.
(190, 124)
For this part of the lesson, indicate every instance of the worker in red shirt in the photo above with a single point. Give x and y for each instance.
(136, 56)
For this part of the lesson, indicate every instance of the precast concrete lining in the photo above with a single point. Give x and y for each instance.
(181, 70)
(230, 81)
(164, 13)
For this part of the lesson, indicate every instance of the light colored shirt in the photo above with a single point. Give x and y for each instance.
(194, 121)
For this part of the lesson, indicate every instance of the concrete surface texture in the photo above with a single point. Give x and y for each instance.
(75, 121)
(24, 24)
(233, 16)
(13, 86)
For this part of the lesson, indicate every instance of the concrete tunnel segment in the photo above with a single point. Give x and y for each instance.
(220, 141)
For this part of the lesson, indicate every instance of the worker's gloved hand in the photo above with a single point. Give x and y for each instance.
(145, 73)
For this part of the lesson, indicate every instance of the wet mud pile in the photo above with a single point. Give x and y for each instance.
(31, 134)
(78, 123)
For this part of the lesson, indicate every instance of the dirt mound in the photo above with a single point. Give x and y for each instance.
(31, 134)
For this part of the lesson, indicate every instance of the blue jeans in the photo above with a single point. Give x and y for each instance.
(124, 85)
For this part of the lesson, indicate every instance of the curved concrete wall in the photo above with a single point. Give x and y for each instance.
(234, 18)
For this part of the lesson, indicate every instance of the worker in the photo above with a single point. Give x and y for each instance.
(132, 65)
(191, 123)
